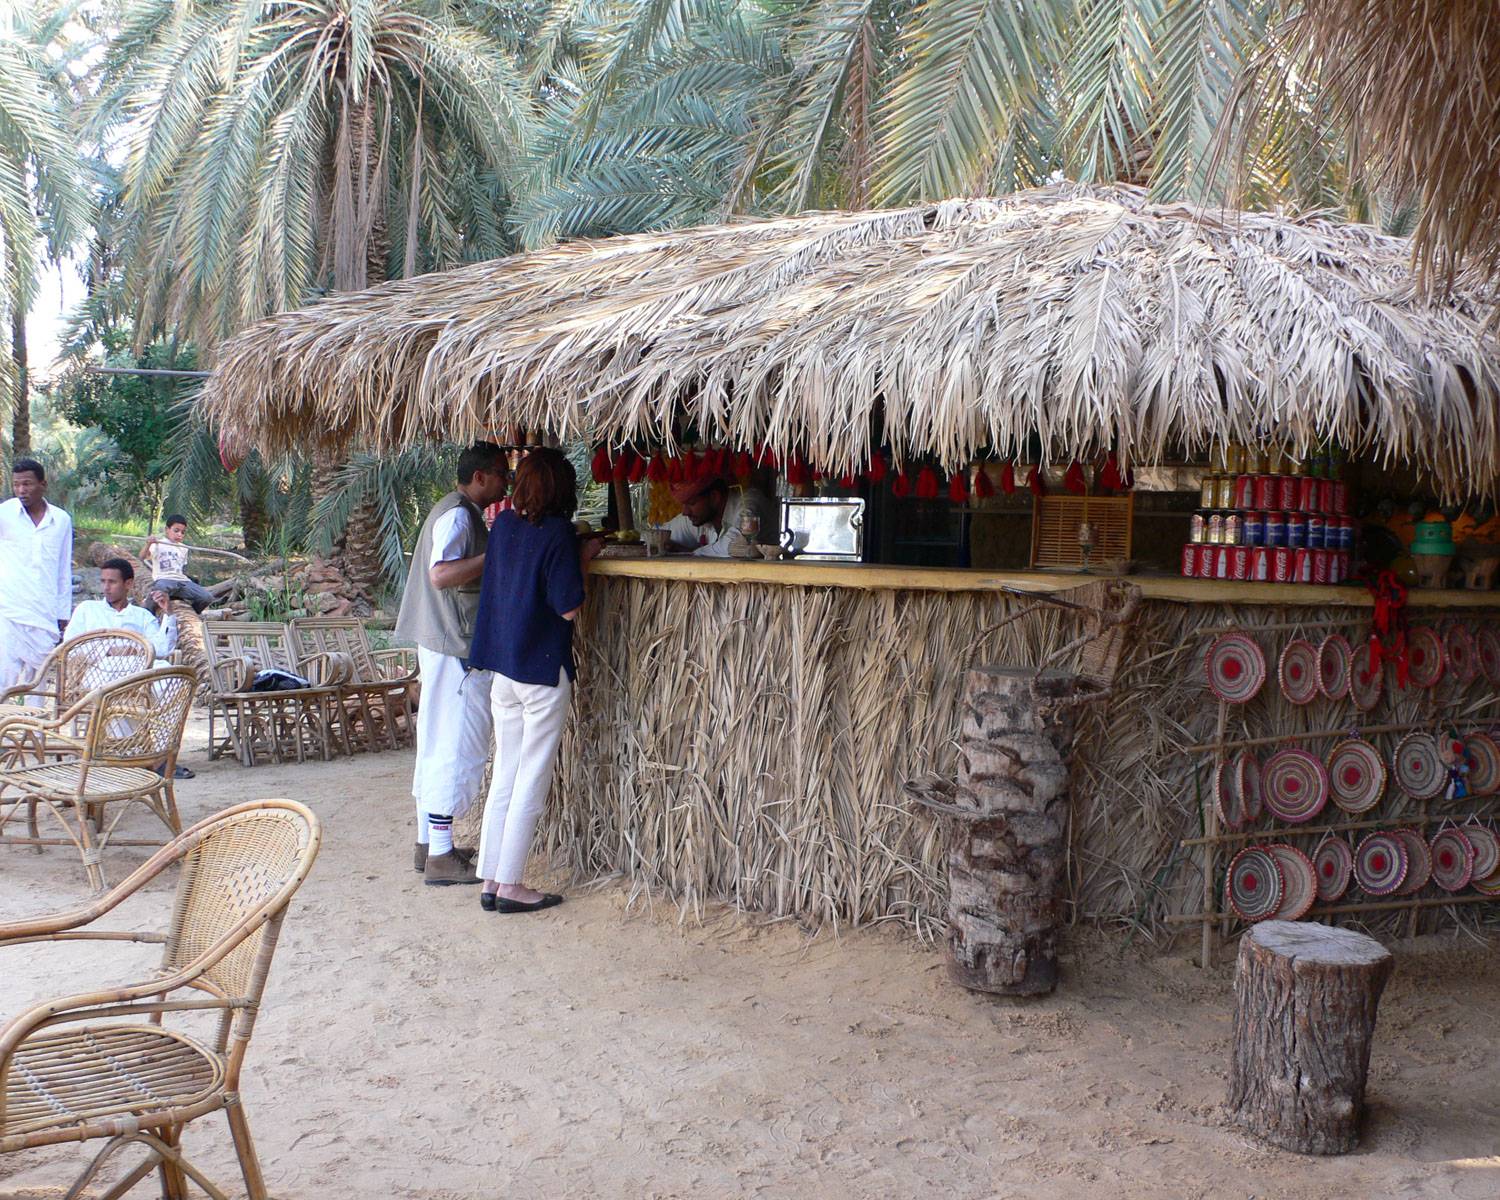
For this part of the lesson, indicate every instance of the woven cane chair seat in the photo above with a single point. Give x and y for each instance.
(83, 1077)
(63, 781)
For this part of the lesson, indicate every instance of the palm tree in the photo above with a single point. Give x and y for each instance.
(40, 196)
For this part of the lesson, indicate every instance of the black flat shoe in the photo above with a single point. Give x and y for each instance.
(499, 904)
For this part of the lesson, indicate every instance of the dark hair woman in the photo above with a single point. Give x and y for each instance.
(532, 590)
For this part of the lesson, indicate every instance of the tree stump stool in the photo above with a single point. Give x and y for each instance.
(1305, 997)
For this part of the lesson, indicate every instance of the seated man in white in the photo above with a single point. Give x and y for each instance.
(116, 611)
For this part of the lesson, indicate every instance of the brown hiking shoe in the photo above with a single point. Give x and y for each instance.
(443, 869)
(419, 856)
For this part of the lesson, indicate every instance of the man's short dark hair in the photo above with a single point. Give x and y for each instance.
(174, 519)
(122, 565)
(481, 456)
(30, 465)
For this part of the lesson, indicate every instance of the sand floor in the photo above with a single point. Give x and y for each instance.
(413, 1046)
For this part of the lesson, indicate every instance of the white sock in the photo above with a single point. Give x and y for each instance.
(424, 833)
(441, 830)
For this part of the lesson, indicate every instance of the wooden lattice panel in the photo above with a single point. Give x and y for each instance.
(1054, 528)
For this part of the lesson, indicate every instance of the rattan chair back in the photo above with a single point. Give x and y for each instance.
(265, 645)
(344, 636)
(76, 667)
(139, 721)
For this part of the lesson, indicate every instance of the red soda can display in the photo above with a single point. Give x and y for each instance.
(1206, 561)
(1326, 489)
(1296, 530)
(1287, 493)
(1275, 529)
(1338, 570)
(1281, 564)
(1221, 562)
(1315, 531)
(1265, 491)
(1320, 566)
(1340, 497)
(1244, 491)
(1301, 566)
(1190, 560)
(1308, 493)
(1239, 562)
(1260, 559)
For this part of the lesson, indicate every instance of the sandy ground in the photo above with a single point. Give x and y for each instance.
(412, 1046)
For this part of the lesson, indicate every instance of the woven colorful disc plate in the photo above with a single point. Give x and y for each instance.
(1424, 656)
(1236, 668)
(1294, 785)
(1380, 863)
(1356, 775)
(1487, 645)
(1255, 885)
(1298, 671)
(1463, 656)
(1486, 849)
(1452, 860)
(1418, 861)
(1333, 863)
(1365, 680)
(1333, 666)
(1299, 884)
(1419, 770)
(1487, 887)
(1483, 756)
(1249, 780)
(1227, 796)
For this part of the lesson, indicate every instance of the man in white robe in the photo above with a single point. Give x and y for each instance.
(36, 574)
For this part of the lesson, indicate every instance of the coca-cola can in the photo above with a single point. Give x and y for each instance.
(1259, 564)
(1190, 560)
(1281, 564)
(1301, 566)
(1275, 529)
(1321, 567)
(1255, 528)
(1206, 561)
(1338, 571)
(1340, 497)
(1326, 489)
(1239, 562)
(1221, 562)
(1287, 493)
(1216, 529)
(1315, 531)
(1265, 491)
(1234, 529)
(1244, 491)
(1308, 494)
(1296, 530)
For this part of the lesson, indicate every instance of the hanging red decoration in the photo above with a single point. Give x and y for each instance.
(638, 466)
(927, 484)
(743, 465)
(600, 466)
(689, 465)
(1109, 474)
(983, 488)
(901, 485)
(847, 482)
(1074, 480)
(657, 472)
(765, 457)
(1008, 479)
(620, 472)
(1036, 482)
(958, 487)
(875, 472)
(675, 473)
(797, 472)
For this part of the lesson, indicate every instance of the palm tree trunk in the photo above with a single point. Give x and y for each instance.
(254, 523)
(20, 436)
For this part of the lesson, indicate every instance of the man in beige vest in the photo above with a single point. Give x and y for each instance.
(437, 612)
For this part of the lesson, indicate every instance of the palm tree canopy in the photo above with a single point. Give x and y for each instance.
(1090, 318)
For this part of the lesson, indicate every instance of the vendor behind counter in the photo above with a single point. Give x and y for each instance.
(713, 512)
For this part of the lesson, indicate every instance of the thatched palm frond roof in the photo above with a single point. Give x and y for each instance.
(1088, 318)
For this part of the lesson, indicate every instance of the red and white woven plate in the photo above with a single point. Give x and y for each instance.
(1250, 788)
(1380, 863)
(1333, 666)
(1418, 861)
(1294, 785)
(1452, 860)
(1333, 863)
(1419, 769)
(1463, 656)
(1356, 775)
(1297, 670)
(1482, 755)
(1236, 668)
(1299, 883)
(1365, 679)
(1254, 885)
(1227, 795)
(1486, 845)
(1487, 645)
(1424, 656)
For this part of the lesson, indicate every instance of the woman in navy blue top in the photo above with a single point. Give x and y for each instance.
(523, 635)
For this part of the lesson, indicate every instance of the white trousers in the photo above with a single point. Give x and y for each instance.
(453, 735)
(23, 649)
(529, 720)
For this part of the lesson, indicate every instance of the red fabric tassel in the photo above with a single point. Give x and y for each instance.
(901, 485)
(657, 471)
(689, 465)
(743, 465)
(600, 466)
(1035, 482)
(638, 465)
(983, 488)
(1008, 479)
(764, 457)
(927, 484)
(847, 482)
(1074, 480)
(797, 473)
(958, 487)
(675, 473)
(875, 472)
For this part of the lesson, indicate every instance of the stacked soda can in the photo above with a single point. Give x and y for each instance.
(1274, 520)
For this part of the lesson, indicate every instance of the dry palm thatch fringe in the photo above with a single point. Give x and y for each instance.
(1418, 83)
(1088, 317)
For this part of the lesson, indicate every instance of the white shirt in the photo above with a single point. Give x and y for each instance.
(36, 565)
(168, 561)
(94, 615)
(450, 536)
(709, 542)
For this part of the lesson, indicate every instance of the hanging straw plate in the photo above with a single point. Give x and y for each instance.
(1488, 647)
(1487, 887)
(1486, 850)
(1294, 785)
(1298, 671)
(1483, 757)
(1380, 863)
(1236, 668)
(1356, 775)
(1227, 796)
(1333, 863)
(1463, 657)
(1333, 666)
(1365, 679)
(1299, 884)
(1424, 656)
(1452, 860)
(1418, 861)
(1255, 884)
(1248, 767)
(1419, 769)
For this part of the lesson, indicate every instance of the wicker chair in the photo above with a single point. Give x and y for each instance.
(379, 697)
(75, 668)
(125, 754)
(110, 1064)
(282, 725)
